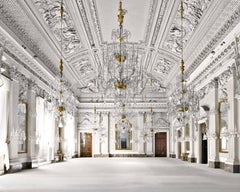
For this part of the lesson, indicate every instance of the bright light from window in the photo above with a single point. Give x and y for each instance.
(2, 70)
(4, 58)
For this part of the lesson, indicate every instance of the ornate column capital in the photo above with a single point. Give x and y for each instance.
(32, 85)
(14, 74)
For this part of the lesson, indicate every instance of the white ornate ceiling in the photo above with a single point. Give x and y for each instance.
(35, 24)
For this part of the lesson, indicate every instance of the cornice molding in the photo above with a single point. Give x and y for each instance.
(219, 61)
(96, 21)
(230, 23)
(11, 15)
(152, 12)
(87, 27)
(158, 22)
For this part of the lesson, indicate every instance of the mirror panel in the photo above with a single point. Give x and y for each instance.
(123, 135)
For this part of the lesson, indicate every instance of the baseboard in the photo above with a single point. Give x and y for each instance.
(101, 155)
(15, 167)
(131, 155)
(214, 164)
(192, 159)
(232, 168)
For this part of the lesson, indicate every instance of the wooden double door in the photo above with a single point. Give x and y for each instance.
(161, 144)
(86, 144)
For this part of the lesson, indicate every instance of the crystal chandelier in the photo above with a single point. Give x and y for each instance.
(183, 100)
(60, 107)
(122, 75)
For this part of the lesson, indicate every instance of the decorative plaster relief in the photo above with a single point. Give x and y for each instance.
(86, 72)
(86, 119)
(161, 122)
(157, 86)
(193, 11)
(23, 87)
(217, 82)
(50, 10)
(163, 67)
(223, 79)
(90, 87)
(84, 67)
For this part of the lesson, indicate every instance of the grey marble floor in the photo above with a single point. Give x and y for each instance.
(121, 175)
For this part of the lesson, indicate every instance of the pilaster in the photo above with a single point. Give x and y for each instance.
(183, 143)
(31, 135)
(213, 145)
(232, 163)
(15, 164)
(141, 145)
(172, 140)
(76, 117)
(103, 135)
(191, 156)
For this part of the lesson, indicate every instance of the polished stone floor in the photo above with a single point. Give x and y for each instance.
(121, 175)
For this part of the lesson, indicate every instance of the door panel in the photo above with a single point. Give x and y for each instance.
(86, 145)
(161, 145)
